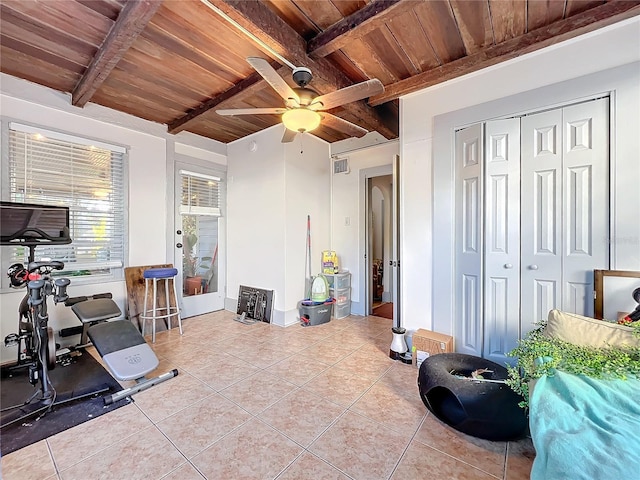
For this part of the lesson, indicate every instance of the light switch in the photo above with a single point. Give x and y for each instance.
(347, 221)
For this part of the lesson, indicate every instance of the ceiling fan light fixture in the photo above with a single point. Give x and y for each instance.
(301, 119)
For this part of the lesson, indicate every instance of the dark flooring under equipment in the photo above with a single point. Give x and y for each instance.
(81, 378)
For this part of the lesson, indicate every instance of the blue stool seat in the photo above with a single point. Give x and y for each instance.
(160, 273)
(166, 312)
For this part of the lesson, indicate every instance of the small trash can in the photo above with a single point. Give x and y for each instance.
(312, 313)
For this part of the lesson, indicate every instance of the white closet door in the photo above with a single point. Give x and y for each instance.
(502, 239)
(531, 222)
(565, 164)
(468, 307)
(586, 200)
(541, 216)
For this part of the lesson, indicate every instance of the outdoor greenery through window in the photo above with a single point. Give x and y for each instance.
(51, 168)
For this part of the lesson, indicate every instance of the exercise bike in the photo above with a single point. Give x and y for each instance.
(35, 338)
(28, 225)
(121, 346)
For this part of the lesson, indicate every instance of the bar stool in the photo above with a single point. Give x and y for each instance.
(156, 274)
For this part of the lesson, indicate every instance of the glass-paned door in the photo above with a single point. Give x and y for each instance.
(200, 239)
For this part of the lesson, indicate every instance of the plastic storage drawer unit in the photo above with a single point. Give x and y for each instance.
(341, 311)
(342, 296)
(340, 289)
(339, 280)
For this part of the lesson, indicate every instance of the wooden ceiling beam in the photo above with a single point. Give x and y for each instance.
(356, 25)
(133, 18)
(238, 92)
(271, 30)
(542, 37)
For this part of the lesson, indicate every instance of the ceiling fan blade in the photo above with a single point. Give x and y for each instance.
(288, 136)
(347, 95)
(271, 76)
(230, 112)
(342, 125)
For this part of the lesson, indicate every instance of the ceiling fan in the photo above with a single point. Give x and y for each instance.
(304, 108)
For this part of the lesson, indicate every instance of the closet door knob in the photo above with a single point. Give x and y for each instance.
(508, 265)
(533, 267)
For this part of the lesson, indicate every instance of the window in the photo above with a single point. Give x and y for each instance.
(51, 168)
(200, 194)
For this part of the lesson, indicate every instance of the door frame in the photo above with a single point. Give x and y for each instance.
(395, 276)
(365, 263)
(213, 301)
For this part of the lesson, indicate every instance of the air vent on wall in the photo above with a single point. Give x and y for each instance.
(341, 165)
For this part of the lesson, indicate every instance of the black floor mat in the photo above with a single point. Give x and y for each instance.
(82, 377)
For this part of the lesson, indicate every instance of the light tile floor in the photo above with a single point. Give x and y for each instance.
(266, 402)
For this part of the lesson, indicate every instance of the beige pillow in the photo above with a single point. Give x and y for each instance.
(586, 331)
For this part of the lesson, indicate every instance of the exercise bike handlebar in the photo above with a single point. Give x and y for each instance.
(54, 265)
(42, 284)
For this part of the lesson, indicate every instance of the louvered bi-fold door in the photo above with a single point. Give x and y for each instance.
(469, 148)
(501, 297)
(565, 210)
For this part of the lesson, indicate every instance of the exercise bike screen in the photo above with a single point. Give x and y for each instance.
(24, 222)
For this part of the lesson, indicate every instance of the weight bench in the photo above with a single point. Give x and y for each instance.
(127, 355)
(121, 346)
(89, 310)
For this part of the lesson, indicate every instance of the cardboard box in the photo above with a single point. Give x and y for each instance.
(426, 343)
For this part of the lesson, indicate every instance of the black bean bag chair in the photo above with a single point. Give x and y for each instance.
(481, 409)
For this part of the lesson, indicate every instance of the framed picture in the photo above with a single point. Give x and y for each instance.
(599, 288)
(255, 303)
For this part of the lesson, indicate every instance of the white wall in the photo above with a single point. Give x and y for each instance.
(425, 269)
(307, 192)
(148, 188)
(271, 190)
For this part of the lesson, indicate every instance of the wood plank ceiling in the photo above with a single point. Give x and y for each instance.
(175, 61)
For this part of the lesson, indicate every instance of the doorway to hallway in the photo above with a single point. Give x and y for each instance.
(378, 282)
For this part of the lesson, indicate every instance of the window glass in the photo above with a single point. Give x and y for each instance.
(200, 210)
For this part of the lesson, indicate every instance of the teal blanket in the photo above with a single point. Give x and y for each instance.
(585, 428)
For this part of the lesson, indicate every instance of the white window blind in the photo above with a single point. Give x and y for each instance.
(51, 168)
(200, 194)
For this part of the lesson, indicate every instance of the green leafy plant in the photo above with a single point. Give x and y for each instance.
(636, 328)
(189, 259)
(540, 355)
